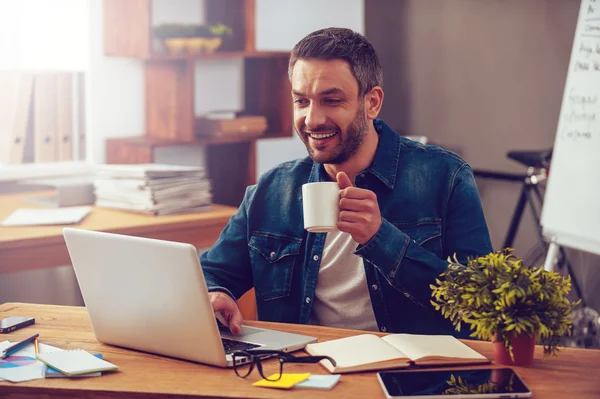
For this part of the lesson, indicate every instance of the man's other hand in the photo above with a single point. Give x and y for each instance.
(359, 211)
(225, 306)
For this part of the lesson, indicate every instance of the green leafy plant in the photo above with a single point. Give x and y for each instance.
(174, 30)
(219, 30)
(499, 297)
(457, 386)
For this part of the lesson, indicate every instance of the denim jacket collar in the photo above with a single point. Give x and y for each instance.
(385, 163)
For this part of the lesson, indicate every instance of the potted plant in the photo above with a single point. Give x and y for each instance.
(174, 36)
(215, 37)
(192, 39)
(504, 301)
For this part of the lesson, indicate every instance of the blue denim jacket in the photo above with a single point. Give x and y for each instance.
(431, 210)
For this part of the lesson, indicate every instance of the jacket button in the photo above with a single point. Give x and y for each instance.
(406, 294)
(374, 286)
(307, 300)
(316, 257)
(272, 254)
(383, 329)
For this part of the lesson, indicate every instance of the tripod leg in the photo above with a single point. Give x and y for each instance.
(516, 218)
(565, 261)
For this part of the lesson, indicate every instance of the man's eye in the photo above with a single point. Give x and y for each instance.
(300, 101)
(332, 101)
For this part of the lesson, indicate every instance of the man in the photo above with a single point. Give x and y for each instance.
(404, 208)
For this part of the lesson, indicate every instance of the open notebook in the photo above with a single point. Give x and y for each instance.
(370, 352)
(75, 362)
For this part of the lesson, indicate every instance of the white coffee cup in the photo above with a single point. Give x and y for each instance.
(321, 206)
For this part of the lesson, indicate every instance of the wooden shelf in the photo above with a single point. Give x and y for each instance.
(170, 81)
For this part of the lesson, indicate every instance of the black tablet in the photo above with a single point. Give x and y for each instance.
(458, 383)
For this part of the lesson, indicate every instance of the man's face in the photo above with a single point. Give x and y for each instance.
(329, 115)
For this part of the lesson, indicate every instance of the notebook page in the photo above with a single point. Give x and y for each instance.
(418, 346)
(356, 350)
(73, 362)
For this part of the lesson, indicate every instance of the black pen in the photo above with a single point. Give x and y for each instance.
(19, 345)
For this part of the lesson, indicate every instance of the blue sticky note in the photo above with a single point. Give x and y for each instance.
(319, 381)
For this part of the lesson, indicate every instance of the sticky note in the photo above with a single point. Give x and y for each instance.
(286, 381)
(319, 382)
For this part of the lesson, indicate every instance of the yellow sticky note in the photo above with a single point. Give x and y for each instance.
(286, 381)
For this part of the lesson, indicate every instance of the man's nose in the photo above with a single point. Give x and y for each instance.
(314, 117)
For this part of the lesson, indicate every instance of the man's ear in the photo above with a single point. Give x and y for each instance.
(373, 102)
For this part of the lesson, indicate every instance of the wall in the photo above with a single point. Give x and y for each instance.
(480, 78)
(280, 25)
(115, 95)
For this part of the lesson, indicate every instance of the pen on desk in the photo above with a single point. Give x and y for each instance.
(36, 346)
(19, 345)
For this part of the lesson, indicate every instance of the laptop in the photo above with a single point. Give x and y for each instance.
(150, 295)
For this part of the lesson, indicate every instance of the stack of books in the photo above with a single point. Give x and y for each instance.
(155, 189)
(230, 124)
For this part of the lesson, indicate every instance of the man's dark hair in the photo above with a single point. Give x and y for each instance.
(344, 44)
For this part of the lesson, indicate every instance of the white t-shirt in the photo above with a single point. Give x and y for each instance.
(342, 295)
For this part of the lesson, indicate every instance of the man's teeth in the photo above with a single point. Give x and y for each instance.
(321, 136)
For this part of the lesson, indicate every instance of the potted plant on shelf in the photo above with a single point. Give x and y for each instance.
(216, 34)
(174, 36)
(192, 39)
(504, 301)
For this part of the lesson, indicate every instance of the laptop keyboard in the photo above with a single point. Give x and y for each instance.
(231, 346)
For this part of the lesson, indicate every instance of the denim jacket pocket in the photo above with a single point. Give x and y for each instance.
(273, 257)
(425, 232)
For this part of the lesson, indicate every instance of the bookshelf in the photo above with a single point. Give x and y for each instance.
(169, 86)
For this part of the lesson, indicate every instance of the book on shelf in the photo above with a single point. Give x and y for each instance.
(370, 352)
(239, 126)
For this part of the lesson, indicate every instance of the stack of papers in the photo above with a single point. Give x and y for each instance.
(155, 189)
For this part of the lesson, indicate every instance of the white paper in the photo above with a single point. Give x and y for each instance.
(45, 217)
(28, 372)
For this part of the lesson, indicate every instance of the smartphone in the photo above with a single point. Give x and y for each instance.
(13, 323)
(458, 383)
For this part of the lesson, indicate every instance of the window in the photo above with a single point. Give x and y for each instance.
(44, 63)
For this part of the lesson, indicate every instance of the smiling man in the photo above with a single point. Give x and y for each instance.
(404, 209)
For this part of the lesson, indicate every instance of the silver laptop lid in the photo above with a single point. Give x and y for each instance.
(146, 294)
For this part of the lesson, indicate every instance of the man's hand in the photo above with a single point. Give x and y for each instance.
(359, 210)
(225, 306)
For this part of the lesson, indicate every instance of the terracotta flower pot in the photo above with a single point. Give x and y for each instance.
(213, 43)
(175, 45)
(523, 348)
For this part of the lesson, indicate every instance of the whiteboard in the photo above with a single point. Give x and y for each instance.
(571, 210)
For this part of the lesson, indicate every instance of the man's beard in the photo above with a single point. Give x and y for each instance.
(350, 142)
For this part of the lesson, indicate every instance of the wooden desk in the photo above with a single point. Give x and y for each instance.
(573, 374)
(26, 248)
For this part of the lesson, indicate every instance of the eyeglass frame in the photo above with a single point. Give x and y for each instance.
(257, 355)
